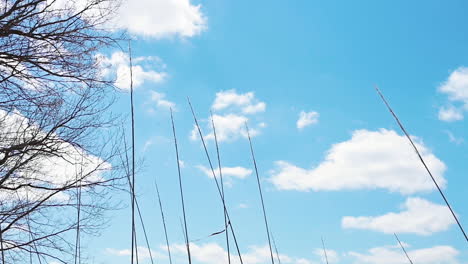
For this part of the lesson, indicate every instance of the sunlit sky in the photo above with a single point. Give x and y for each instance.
(331, 159)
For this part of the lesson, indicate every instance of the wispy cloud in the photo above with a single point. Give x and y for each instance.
(307, 119)
(229, 173)
(453, 138)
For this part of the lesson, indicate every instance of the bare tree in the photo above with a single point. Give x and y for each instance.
(56, 135)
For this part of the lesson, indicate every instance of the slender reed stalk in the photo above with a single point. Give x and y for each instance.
(403, 248)
(164, 222)
(422, 160)
(181, 190)
(144, 231)
(133, 154)
(260, 192)
(1, 243)
(31, 235)
(137, 207)
(216, 181)
(324, 250)
(78, 216)
(276, 249)
(222, 186)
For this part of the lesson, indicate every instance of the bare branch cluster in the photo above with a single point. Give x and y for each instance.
(56, 135)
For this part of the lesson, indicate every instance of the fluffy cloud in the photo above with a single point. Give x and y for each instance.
(456, 88)
(228, 172)
(307, 119)
(232, 112)
(160, 101)
(394, 255)
(51, 171)
(212, 253)
(247, 102)
(369, 160)
(117, 67)
(147, 18)
(161, 18)
(419, 216)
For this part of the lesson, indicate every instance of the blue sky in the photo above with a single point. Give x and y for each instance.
(343, 171)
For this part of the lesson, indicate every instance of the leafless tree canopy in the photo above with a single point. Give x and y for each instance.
(53, 103)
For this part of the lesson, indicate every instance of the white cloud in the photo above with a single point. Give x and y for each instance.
(51, 171)
(117, 66)
(394, 255)
(233, 111)
(419, 216)
(159, 100)
(456, 88)
(228, 173)
(147, 18)
(307, 119)
(246, 102)
(212, 253)
(450, 114)
(161, 18)
(369, 160)
(229, 127)
(332, 255)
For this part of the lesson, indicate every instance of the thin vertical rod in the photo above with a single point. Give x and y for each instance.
(137, 207)
(164, 222)
(181, 190)
(222, 187)
(1, 244)
(401, 245)
(216, 181)
(260, 191)
(133, 153)
(324, 250)
(422, 160)
(78, 242)
(276, 249)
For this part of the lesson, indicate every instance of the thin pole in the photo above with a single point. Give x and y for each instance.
(133, 153)
(181, 190)
(276, 249)
(164, 222)
(78, 242)
(324, 250)
(222, 187)
(31, 235)
(216, 181)
(260, 191)
(401, 245)
(1, 243)
(138, 208)
(422, 160)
